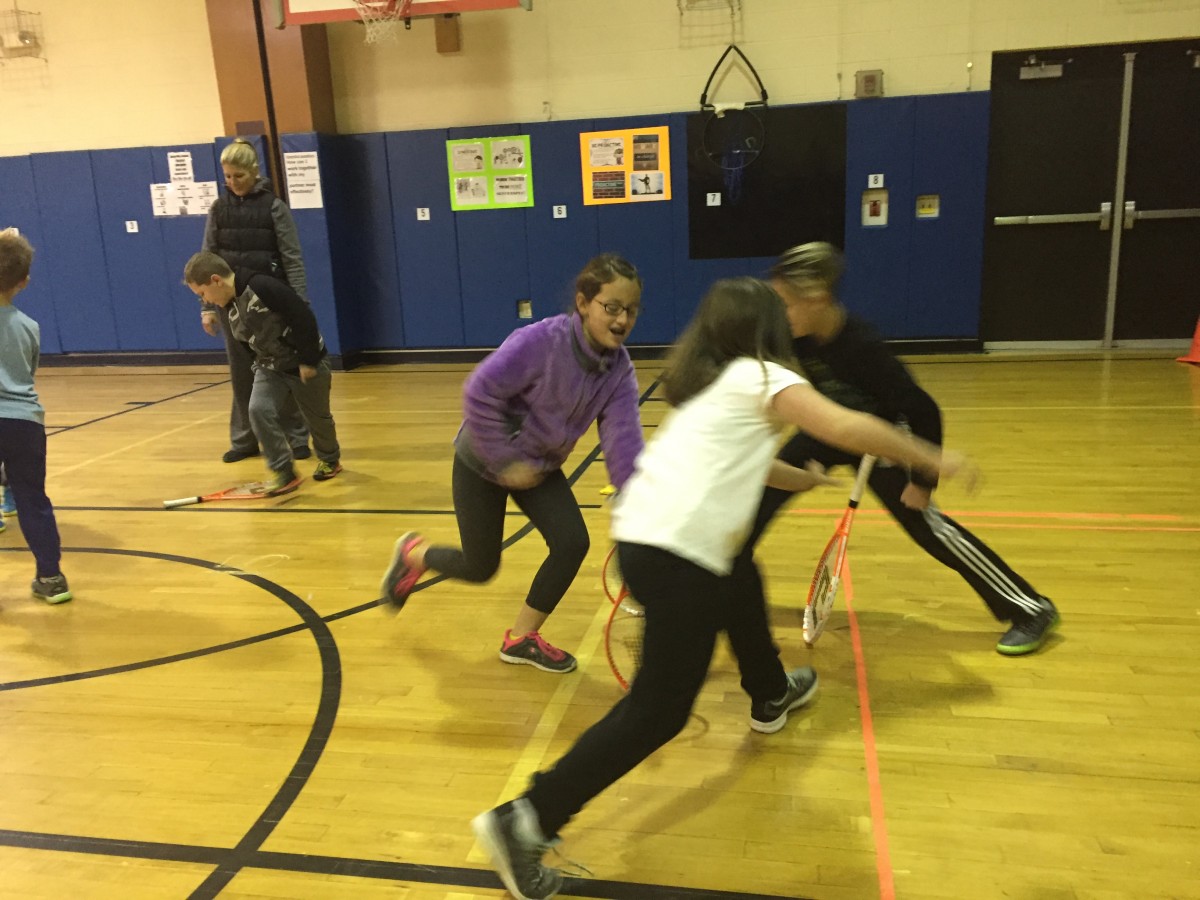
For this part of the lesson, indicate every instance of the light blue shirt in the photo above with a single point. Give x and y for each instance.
(20, 347)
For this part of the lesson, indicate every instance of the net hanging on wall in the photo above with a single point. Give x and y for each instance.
(709, 23)
(20, 35)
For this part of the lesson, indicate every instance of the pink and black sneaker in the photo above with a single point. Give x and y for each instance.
(401, 576)
(534, 650)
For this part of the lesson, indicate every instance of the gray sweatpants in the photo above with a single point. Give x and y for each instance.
(268, 400)
(241, 379)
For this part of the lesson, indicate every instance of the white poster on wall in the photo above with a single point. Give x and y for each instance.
(180, 164)
(303, 180)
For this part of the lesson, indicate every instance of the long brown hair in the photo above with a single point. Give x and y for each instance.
(737, 317)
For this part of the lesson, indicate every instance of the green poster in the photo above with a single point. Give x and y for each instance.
(490, 173)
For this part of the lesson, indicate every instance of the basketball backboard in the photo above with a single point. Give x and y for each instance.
(310, 12)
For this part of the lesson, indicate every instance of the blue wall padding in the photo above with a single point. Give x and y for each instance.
(643, 232)
(379, 278)
(136, 261)
(19, 209)
(879, 140)
(426, 252)
(358, 203)
(493, 266)
(946, 255)
(313, 226)
(557, 249)
(181, 237)
(71, 256)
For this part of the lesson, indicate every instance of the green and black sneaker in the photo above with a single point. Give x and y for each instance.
(1027, 635)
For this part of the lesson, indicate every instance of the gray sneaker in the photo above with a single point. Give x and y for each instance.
(768, 718)
(513, 839)
(53, 589)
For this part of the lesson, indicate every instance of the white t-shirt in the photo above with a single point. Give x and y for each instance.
(698, 482)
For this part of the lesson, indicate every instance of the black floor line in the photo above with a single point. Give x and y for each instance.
(228, 862)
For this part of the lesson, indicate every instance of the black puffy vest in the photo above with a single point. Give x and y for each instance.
(245, 232)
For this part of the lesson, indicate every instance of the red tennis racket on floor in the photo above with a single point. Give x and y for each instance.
(254, 490)
(828, 577)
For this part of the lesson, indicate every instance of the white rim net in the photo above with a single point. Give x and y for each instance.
(380, 17)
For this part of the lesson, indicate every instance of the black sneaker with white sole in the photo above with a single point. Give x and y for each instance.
(768, 718)
(513, 839)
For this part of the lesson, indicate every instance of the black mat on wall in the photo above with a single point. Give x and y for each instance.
(794, 192)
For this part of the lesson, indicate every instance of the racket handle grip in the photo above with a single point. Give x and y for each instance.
(182, 501)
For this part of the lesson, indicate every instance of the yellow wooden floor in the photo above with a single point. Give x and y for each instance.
(222, 712)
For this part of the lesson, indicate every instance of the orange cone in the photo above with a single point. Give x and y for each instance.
(1193, 355)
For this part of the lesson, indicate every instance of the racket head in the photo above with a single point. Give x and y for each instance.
(624, 635)
(610, 574)
(251, 490)
(822, 592)
(734, 138)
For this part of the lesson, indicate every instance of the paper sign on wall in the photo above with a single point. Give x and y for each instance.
(490, 173)
(628, 166)
(182, 198)
(303, 180)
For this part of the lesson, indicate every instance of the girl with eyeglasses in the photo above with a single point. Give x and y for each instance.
(524, 407)
(679, 525)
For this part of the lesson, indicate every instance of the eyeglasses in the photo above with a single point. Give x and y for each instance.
(615, 309)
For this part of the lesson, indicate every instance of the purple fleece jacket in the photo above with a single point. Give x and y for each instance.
(536, 395)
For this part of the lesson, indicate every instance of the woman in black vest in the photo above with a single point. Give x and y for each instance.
(252, 228)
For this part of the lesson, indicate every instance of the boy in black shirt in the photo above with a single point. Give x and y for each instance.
(845, 359)
(289, 359)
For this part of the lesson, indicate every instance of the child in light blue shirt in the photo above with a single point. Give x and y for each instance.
(22, 418)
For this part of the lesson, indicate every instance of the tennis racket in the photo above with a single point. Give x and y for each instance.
(254, 490)
(828, 576)
(610, 575)
(623, 637)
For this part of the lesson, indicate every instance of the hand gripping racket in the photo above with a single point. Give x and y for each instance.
(254, 490)
(828, 576)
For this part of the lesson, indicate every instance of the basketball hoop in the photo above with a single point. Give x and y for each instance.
(380, 17)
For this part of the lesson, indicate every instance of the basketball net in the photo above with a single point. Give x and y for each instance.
(709, 23)
(380, 17)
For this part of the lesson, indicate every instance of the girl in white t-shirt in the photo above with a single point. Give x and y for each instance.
(679, 523)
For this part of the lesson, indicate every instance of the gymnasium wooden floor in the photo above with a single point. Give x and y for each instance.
(222, 710)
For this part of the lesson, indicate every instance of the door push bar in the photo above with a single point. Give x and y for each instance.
(1104, 217)
(1132, 214)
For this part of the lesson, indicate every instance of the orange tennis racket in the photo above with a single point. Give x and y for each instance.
(254, 490)
(828, 576)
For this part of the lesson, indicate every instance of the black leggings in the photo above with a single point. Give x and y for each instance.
(1008, 596)
(686, 607)
(480, 504)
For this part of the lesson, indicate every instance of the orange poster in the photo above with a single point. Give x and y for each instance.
(628, 166)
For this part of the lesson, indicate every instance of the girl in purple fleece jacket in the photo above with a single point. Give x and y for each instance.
(524, 407)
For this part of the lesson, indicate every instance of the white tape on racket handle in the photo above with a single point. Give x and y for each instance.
(182, 501)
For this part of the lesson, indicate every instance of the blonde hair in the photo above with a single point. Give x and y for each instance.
(241, 155)
(816, 264)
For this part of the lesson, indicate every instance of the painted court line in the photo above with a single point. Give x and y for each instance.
(986, 514)
(883, 858)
